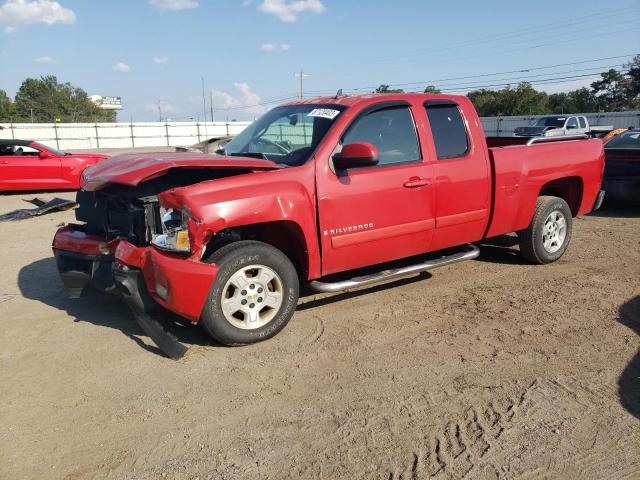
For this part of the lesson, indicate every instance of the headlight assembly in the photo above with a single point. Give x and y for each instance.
(175, 234)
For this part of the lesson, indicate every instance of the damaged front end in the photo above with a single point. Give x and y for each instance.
(127, 243)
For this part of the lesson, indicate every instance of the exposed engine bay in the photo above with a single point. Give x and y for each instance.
(133, 213)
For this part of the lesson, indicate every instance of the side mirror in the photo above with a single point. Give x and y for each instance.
(354, 155)
(44, 155)
(571, 127)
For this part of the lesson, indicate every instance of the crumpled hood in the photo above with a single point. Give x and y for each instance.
(132, 169)
(532, 131)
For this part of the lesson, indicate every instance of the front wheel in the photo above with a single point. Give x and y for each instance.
(548, 236)
(253, 296)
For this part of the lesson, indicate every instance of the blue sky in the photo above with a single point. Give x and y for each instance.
(150, 51)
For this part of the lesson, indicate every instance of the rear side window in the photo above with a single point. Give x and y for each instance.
(583, 122)
(391, 131)
(449, 133)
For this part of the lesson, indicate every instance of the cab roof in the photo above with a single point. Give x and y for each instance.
(367, 98)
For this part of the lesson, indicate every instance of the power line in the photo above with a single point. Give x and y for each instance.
(484, 75)
(478, 41)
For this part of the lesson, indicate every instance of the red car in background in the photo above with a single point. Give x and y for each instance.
(29, 165)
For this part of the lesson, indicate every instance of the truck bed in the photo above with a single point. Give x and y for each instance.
(521, 172)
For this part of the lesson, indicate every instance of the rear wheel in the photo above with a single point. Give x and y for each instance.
(253, 296)
(548, 236)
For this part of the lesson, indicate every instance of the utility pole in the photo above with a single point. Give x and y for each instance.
(211, 103)
(301, 75)
(204, 103)
(159, 111)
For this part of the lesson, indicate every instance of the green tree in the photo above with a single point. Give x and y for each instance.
(633, 83)
(611, 90)
(522, 100)
(385, 89)
(6, 107)
(431, 89)
(45, 99)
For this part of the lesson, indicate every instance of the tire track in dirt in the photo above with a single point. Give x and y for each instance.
(463, 442)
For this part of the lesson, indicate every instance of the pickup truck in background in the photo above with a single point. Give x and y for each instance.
(558, 125)
(308, 194)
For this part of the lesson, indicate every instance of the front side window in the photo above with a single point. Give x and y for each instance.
(18, 151)
(572, 123)
(287, 135)
(391, 131)
(448, 130)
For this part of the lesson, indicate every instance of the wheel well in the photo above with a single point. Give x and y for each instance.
(284, 235)
(568, 188)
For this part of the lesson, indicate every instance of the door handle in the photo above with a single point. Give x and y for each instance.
(4, 162)
(415, 182)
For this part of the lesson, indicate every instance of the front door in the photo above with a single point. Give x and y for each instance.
(376, 214)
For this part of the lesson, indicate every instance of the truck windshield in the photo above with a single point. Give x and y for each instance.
(287, 135)
(550, 122)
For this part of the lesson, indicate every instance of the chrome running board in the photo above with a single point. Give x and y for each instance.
(470, 252)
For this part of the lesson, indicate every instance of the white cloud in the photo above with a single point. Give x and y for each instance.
(17, 13)
(160, 60)
(244, 98)
(121, 67)
(44, 59)
(272, 47)
(288, 11)
(173, 5)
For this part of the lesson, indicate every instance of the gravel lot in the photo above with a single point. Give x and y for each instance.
(487, 369)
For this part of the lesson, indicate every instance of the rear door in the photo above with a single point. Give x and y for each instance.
(22, 168)
(462, 173)
(376, 214)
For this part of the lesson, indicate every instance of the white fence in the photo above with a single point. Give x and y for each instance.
(65, 136)
(171, 134)
(504, 126)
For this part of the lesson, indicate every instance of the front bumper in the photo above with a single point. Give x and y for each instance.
(179, 284)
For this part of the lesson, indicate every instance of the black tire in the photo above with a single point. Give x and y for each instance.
(232, 258)
(531, 240)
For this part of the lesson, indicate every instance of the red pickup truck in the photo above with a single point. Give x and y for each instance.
(309, 191)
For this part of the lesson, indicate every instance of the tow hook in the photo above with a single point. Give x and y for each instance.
(130, 288)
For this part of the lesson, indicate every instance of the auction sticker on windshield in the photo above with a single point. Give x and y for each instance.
(329, 113)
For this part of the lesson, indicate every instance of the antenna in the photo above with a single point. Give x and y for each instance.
(338, 93)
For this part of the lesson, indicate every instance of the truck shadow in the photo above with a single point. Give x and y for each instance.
(501, 250)
(39, 281)
(629, 381)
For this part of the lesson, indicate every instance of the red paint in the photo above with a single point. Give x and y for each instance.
(131, 169)
(367, 236)
(47, 171)
(70, 239)
(332, 222)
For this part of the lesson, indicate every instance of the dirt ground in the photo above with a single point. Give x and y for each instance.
(487, 369)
